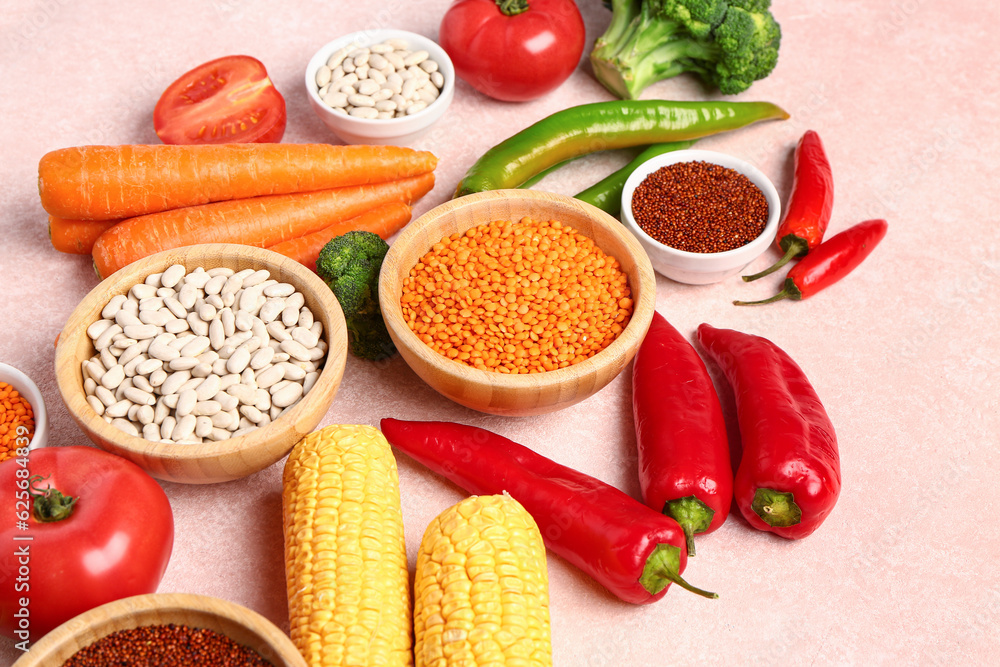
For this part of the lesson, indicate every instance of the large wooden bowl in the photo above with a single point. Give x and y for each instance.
(525, 394)
(240, 624)
(228, 459)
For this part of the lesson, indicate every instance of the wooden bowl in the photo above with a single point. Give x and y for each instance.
(524, 394)
(217, 461)
(240, 624)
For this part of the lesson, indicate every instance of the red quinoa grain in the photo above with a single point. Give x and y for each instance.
(166, 646)
(700, 207)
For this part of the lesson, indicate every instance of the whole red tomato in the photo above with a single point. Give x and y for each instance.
(115, 541)
(226, 100)
(513, 50)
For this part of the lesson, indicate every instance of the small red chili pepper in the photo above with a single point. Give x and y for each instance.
(809, 205)
(631, 550)
(788, 479)
(828, 263)
(684, 464)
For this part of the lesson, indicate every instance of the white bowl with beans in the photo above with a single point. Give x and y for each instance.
(702, 268)
(380, 86)
(205, 363)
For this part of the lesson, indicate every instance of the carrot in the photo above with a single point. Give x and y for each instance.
(112, 182)
(383, 220)
(259, 221)
(76, 236)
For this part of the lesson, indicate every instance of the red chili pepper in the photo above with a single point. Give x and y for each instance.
(831, 261)
(684, 464)
(809, 205)
(631, 550)
(788, 479)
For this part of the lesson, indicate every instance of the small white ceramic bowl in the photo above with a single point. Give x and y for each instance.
(702, 268)
(29, 390)
(381, 130)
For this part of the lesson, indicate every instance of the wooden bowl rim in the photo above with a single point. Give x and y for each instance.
(642, 312)
(73, 393)
(130, 612)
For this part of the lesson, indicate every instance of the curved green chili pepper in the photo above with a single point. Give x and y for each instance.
(606, 194)
(588, 128)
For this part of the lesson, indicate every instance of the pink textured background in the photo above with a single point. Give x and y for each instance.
(903, 352)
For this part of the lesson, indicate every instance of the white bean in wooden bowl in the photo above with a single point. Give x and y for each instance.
(188, 356)
(204, 363)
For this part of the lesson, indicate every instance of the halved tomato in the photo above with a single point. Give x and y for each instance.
(226, 100)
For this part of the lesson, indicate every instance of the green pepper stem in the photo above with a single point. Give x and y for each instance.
(790, 291)
(50, 504)
(663, 568)
(693, 515)
(793, 248)
(776, 508)
(512, 7)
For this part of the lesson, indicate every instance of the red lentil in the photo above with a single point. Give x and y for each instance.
(168, 645)
(17, 421)
(524, 297)
(700, 207)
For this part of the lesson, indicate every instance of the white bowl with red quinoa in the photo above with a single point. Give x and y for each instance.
(701, 216)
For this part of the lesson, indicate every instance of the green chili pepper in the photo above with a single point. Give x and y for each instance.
(588, 128)
(606, 194)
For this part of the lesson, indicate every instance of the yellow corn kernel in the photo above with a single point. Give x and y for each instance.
(481, 593)
(345, 559)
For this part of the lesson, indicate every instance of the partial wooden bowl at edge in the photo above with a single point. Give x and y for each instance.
(218, 461)
(499, 393)
(242, 625)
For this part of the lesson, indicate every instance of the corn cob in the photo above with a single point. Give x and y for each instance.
(345, 559)
(481, 590)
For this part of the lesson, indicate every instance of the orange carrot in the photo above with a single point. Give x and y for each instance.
(76, 236)
(259, 221)
(384, 220)
(113, 182)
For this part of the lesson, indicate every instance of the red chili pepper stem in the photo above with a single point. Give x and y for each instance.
(789, 291)
(776, 508)
(793, 247)
(661, 571)
(693, 516)
(50, 504)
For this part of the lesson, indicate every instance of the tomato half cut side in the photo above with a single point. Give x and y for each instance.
(227, 100)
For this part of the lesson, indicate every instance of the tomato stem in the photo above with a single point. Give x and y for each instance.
(512, 7)
(50, 504)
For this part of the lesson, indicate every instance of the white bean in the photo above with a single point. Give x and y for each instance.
(184, 428)
(287, 395)
(126, 426)
(96, 405)
(112, 307)
(113, 377)
(118, 409)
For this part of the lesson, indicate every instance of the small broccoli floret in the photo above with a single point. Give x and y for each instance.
(728, 44)
(350, 265)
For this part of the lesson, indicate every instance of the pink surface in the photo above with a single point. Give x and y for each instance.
(903, 352)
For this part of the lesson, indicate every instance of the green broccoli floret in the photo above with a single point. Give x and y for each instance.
(350, 265)
(728, 44)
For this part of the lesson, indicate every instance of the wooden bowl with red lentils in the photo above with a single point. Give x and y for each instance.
(517, 302)
(165, 629)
